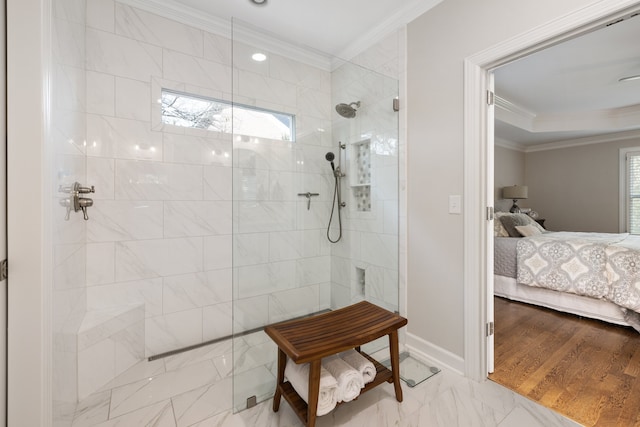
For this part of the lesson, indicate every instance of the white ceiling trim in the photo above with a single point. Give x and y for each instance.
(609, 120)
(613, 119)
(504, 143)
(198, 19)
(508, 112)
(260, 38)
(590, 140)
(397, 20)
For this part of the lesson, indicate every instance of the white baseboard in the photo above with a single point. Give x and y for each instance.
(434, 355)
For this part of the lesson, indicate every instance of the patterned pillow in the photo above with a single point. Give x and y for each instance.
(510, 222)
(498, 228)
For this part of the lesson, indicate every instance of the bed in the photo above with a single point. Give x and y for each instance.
(588, 274)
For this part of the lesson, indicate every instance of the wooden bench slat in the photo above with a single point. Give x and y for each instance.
(312, 338)
(319, 336)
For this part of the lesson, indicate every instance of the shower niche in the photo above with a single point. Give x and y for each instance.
(361, 175)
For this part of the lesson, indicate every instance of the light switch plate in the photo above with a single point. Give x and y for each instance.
(455, 204)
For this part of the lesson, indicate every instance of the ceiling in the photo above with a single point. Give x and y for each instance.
(571, 90)
(564, 92)
(334, 27)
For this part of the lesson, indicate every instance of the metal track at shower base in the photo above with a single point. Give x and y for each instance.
(240, 334)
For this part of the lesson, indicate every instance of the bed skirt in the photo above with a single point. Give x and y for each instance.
(569, 303)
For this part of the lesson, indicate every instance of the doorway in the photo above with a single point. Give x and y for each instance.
(478, 144)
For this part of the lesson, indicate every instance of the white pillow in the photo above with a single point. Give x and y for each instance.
(528, 230)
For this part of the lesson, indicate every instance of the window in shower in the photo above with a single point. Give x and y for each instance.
(186, 110)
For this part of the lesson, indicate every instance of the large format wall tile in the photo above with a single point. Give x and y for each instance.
(189, 291)
(115, 220)
(143, 259)
(197, 218)
(148, 27)
(121, 56)
(173, 331)
(157, 181)
(122, 138)
(196, 71)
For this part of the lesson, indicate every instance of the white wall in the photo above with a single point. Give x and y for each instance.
(438, 42)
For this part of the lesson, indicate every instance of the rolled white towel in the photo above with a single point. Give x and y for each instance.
(298, 376)
(350, 381)
(360, 364)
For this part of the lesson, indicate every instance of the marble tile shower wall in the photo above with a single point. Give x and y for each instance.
(173, 204)
(370, 242)
(66, 144)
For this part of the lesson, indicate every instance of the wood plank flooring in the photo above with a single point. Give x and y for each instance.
(585, 369)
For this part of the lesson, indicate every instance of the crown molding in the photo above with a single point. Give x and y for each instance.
(606, 120)
(261, 38)
(386, 27)
(510, 145)
(514, 114)
(245, 33)
(589, 140)
(611, 119)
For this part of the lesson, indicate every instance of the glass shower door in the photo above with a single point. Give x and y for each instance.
(284, 265)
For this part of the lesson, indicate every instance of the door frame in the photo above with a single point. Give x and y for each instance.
(476, 148)
(29, 249)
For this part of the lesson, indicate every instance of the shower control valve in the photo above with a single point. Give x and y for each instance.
(75, 201)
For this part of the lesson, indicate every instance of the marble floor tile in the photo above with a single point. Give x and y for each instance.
(137, 372)
(158, 415)
(208, 352)
(203, 403)
(92, 410)
(155, 389)
(194, 389)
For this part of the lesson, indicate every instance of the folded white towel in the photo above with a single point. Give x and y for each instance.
(298, 376)
(349, 380)
(360, 364)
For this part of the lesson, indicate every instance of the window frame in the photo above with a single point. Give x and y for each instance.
(624, 187)
(233, 106)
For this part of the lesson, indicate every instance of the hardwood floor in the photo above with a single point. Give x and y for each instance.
(585, 369)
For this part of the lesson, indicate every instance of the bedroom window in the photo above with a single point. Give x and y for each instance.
(193, 111)
(630, 190)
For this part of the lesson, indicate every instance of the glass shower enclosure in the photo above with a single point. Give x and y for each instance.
(284, 264)
(213, 194)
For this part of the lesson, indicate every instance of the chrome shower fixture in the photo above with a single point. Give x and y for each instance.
(337, 196)
(348, 111)
(329, 157)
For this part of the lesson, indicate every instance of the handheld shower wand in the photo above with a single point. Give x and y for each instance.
(330, 156)
(337, 197)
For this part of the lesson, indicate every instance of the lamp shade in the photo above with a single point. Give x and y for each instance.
(515, 192)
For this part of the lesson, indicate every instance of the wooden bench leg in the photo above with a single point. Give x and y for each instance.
(394, 351)
(282, 363)
(314, 392)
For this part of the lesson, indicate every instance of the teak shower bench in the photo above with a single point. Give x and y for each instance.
(310, 339)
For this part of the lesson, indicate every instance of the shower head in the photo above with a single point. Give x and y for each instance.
(330, 156)
(348, 111)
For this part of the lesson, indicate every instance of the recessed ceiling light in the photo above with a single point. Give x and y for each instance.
(628, 78)
(259, 57)
(259, 2)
